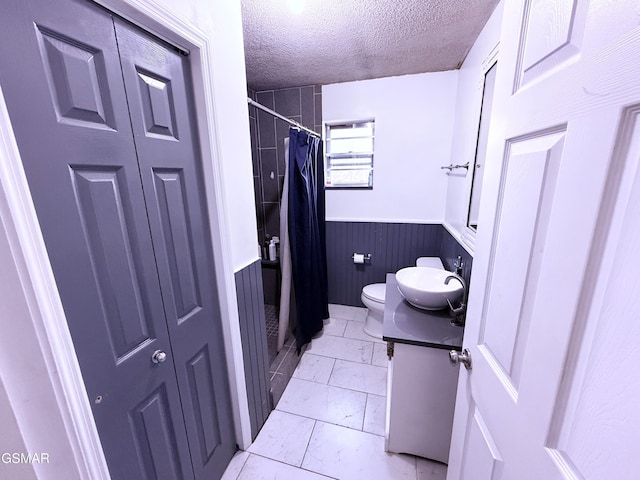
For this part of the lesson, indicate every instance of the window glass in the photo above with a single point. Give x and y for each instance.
(349, 155)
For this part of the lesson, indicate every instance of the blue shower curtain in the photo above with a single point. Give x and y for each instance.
(307, 234)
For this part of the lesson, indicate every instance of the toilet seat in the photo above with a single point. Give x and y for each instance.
(375, 292)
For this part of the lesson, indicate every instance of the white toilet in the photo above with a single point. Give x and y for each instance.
(373, 298)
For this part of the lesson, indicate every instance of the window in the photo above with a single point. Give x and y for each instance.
(349, 155)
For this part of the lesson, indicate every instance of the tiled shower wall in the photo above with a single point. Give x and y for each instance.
(302, 104)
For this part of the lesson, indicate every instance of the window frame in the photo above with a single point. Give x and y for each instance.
(328, 155)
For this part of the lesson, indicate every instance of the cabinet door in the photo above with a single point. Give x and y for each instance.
(420, 402)
(157, 86)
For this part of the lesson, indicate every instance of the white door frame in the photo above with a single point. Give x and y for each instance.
(52, 348)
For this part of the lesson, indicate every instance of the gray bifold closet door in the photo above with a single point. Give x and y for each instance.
(104, 121)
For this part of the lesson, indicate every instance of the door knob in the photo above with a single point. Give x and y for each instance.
(158, 356)
(463, 357)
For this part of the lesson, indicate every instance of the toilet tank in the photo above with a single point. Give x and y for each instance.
(433, 262)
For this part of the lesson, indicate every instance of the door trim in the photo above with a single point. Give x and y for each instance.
(51, 350)
(55, 350)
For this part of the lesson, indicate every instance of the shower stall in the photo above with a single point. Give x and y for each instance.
(269, 129)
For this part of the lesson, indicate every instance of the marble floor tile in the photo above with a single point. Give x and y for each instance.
(314, 368)
(350, 454)
(428, 470)
(360, 314)
(325, 396)
(360, 377)
(284, 437)
(281, 370)
(277, 361)
(289, 363)
(235, 466)
(340, 311)
(380, 358)
(342, 348)
(324, 402)
(347, 312)
(355, 329)
(278, 384)
(374, 414)
(335, 326)
(260, 468)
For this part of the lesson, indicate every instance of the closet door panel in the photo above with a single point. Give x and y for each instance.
(157, 83)
(61, 78)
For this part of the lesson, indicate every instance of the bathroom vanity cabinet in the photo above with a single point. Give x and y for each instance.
(421, 384)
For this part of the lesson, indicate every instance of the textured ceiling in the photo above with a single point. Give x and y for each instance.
(334, 41)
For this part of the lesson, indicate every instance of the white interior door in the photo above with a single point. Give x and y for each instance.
(553, 319)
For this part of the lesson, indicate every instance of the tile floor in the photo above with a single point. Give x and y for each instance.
(271, 324)
(329, 422)
(282, 363)
(282, 368)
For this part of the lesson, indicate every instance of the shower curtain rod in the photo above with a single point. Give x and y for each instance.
(281, 117)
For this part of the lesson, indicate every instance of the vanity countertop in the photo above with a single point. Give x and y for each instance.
(404, 323)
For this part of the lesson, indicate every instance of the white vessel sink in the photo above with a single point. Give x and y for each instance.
(425, 287)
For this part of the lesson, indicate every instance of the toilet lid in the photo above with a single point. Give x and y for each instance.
(375, 292)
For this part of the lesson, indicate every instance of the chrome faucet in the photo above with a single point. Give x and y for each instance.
(458, 313)
(458, 265)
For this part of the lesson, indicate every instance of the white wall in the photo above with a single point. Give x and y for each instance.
(467, 116)
(414, 117)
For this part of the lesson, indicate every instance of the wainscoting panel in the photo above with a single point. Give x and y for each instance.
(392, 246)
(254, 343)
